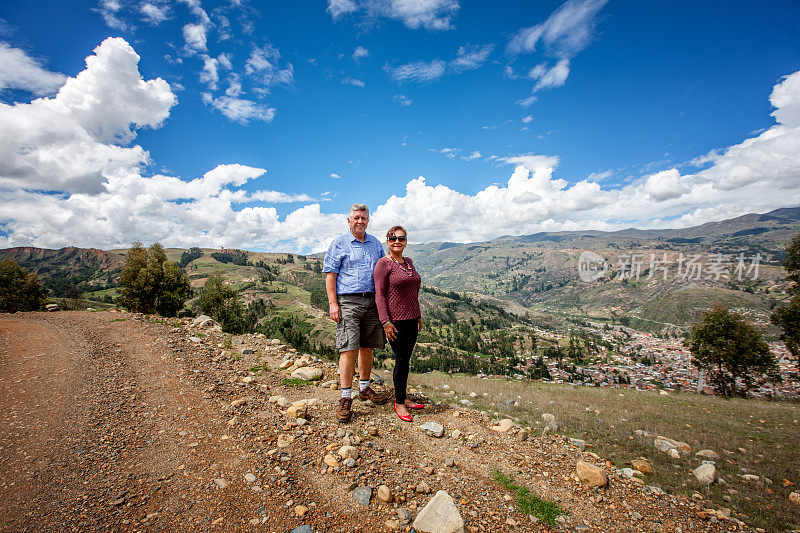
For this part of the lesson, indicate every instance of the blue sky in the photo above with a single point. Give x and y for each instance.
(257, 124)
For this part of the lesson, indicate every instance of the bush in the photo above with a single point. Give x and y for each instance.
(20, 290)
(189, 256)
(237, 257)
(219, 301)
(152, 284)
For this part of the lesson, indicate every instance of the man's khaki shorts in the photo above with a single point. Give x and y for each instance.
(359, 326)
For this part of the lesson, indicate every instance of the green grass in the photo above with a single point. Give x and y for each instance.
(527, 502)
(294, 382)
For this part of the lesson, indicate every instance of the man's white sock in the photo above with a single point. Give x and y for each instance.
(347, 392)
(363, 384)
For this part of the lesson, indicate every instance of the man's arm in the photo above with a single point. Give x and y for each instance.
(333, 304)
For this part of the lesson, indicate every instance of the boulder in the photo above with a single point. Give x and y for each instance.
(592, 475)
(440, 515)
(547, 417)
(706, 474)
(579, 443)
(794, 497)
(663, 444)
(204, 322)
(298, 409)
(362, 495)
(51, 308)
(307, 373)
(348, 452)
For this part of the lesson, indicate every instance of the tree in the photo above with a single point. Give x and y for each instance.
(219, 301)
(787, 316)
(189, 256)
(20, 290)
(732, 351)
(150, 283)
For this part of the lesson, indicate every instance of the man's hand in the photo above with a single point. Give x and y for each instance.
(334, 312)
(391, 331)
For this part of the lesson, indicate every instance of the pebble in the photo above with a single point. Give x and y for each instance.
(384, 494)
(221, 483)
(362, 495)
(434, 429)
(249, 477)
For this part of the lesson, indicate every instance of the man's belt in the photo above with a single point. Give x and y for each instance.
(362, 294)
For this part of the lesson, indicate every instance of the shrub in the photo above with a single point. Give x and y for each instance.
(152, 284)
(20, 290)
(219, 301)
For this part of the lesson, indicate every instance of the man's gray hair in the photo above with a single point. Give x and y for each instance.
(358, 207)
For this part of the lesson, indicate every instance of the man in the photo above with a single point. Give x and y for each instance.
(348, 266)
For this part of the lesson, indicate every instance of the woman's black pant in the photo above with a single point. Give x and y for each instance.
(402, 346)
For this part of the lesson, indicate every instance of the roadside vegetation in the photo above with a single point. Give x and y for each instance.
(20, 290)
(750, 435)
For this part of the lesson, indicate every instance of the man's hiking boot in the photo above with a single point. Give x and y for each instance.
(369, 394)
(344, 412)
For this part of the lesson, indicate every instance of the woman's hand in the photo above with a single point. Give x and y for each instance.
(419, 324)
(390, 330)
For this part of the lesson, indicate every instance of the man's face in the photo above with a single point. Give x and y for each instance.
(358, 223)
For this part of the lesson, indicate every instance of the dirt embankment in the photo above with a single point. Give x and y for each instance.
(113, 421)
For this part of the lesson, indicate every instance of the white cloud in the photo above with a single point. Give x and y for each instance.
(153, 13)
(428, 14)
(785, 98)
(353, 81)
(360, 53)
(20, 71)
(474, 155)
(402, 100)
(417, 71)
(240, 110)
(449, 153)
(264, 67)
(470, 57)
(209, 75)
(664, 185)
(335, 176)
(195, 37)
(527, 119)
(109, 9)
(72, 141)
(547, 78)
(527, 102)
(196, 9)
(567, 31)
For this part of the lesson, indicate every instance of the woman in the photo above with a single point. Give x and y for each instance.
(397, 297)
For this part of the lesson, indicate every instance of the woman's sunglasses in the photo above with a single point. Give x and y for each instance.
(392, 238)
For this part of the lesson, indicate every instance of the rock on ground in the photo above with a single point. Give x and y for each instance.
(591, 474)
(440, 515)
(706, 474)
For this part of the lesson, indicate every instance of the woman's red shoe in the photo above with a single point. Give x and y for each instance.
(404, 418)
(413, 405)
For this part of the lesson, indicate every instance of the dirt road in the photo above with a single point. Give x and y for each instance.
(112, 421)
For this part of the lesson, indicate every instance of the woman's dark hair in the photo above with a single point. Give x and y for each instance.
(395, 228)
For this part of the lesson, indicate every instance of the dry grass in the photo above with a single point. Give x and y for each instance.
(767, 432)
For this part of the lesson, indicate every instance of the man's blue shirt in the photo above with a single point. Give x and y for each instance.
(354, 262)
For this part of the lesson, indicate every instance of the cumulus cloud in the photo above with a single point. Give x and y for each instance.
(20, 71)
(66, 177)
(547, 77)
(402, 100)
(428, 14)
(70, 141)
(360, 53)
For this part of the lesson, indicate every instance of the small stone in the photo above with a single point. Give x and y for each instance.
(579, 443)
(440, 515)
(305, 528)
(449, 462)
(221, 483)
(284, 440)
(794, 497)
(547, 417)
(456, 434)
(348, 452)
(249, 477)
(239, 402)
(707, 454)
(422, 488)
(674, 453)
(642, 465)
(248, 351)
(307, 373)
(362, 495)
(706, 474)
(522, 435)
(384, 494)
(331, 461)
(503, 426)
(404, 515)
(751, 478)
(591, 474)
(433, 429)
(301, 510)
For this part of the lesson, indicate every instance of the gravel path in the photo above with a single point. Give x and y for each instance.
(113, 421)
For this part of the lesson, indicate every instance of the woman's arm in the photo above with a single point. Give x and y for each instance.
(381, 276)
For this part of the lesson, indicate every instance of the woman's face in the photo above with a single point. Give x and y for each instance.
(398, 244)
